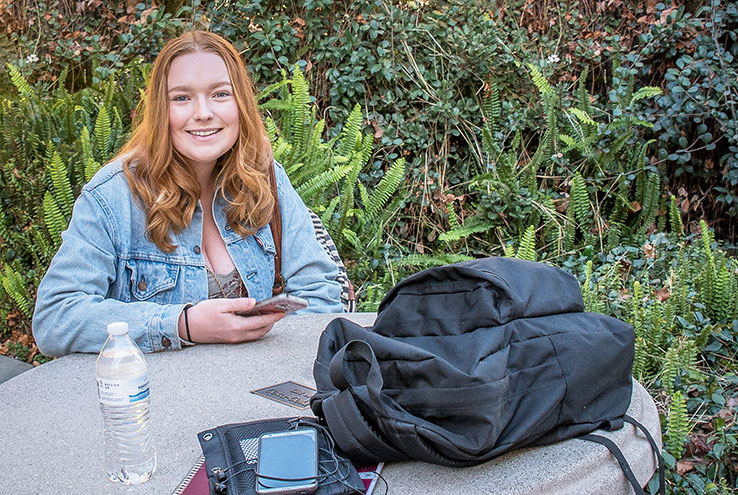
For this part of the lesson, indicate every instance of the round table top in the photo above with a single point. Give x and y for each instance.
(52, 434)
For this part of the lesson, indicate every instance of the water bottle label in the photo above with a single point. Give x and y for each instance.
(121, 392)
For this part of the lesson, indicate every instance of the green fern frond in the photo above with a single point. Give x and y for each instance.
(271, 89)
(509, 250)
(102, 134)
(640, 361)
(63, 194)
(91, 168)
(527, 247)
(85, 143)
(492, 108)
(300, 110)
(579, 198)
(582, 116)
(53, 218)
(462, 232)
(677, 425)
(453, 219)
(567, 140)
(20, 83)
(13, 285)
(350, 137)
(671, 369)
(675, 217)
(649, 202)
(385, 189)
(637, 309)
(363, 193)
(583, 94)
(645, 92)
(271, 129)
(322, 180)
(539, 80)
(353, 240)
(347, 198)
(327, 215)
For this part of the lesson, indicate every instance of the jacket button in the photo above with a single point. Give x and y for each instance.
(165, 342)
(196, 249)
(142, 285)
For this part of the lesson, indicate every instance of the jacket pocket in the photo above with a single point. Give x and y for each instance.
(152, 281)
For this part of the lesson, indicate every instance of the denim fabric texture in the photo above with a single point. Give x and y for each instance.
(107, 270)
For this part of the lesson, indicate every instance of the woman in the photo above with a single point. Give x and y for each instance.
(172, 236)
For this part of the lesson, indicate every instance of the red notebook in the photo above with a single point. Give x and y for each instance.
(196, 481)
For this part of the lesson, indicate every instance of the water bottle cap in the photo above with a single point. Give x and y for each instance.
(118, 328)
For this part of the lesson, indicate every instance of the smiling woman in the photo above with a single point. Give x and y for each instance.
(173, 236)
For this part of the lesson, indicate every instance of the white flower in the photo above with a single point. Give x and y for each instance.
(552, 59)
(31, 58)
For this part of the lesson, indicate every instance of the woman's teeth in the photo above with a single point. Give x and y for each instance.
(204, 133)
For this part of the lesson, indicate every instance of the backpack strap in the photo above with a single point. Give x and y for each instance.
(347, 424)
(276, 225)
(615, 451)
(613, 448)
(654, 447)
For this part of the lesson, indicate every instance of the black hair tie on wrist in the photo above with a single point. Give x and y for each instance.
(187, 324)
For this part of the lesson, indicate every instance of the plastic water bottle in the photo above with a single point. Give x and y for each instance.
(123, 389)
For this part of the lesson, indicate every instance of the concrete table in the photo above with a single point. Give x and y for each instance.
(52, 430)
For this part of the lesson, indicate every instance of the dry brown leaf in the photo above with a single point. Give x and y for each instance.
(662, 294)
(649, 251)
(683, 467)
(698, 444)
(725, 413)
(378, 132)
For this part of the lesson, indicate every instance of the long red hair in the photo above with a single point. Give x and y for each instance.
(160, 177)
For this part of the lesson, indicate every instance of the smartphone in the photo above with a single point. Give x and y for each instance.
(280, 303)
(287, 462)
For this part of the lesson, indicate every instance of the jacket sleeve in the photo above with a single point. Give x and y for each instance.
(307, 269)
(72, 306)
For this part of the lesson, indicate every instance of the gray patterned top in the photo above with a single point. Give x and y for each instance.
(226, 285)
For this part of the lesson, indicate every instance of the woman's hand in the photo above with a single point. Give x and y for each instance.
(215, 321)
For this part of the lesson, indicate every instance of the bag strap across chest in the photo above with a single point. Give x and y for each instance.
(276, 225)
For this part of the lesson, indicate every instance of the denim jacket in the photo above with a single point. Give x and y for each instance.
(108, 270)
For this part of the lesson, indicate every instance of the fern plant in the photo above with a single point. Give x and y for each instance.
(46, 154)
(328, 174)
(595, 153)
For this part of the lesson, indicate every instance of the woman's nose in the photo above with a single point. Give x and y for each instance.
(202, 109)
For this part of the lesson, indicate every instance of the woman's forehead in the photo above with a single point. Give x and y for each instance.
(197, 70)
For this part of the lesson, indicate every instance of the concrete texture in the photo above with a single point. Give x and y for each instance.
(52, 434)
(10, 368)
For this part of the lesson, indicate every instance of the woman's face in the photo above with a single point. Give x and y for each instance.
(203, 114)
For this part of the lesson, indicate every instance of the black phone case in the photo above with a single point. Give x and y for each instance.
(231, 453)
(262, 469)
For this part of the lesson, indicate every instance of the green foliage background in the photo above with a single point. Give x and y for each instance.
(598, 136)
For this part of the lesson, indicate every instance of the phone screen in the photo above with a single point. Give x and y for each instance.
(289, 455)
(283, 303)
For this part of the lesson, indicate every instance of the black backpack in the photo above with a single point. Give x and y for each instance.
(466, 362)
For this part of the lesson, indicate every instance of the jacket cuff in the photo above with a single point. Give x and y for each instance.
(163, 328)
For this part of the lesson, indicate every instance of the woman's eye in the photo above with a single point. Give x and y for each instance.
(179, 98)
(222, 94)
